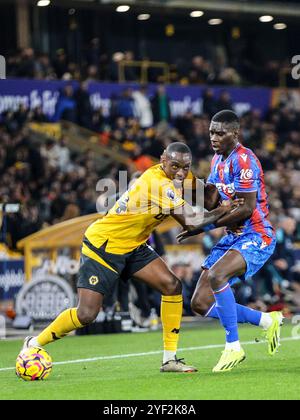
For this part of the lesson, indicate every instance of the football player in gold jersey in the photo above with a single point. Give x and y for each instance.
(116, 245)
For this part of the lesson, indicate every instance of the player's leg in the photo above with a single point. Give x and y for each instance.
(203, 303)
(157, 275)
(255, 250)
(232, 264)
(90, 293)
(71, 319)
(142, 301)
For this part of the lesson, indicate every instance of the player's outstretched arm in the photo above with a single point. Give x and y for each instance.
(211, 197)
(211, 219)
(194, 222)
(195, 188)
(242, 212)
(237, 211)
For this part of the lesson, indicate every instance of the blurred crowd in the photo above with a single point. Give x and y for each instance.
(53, 184)
(214, 67)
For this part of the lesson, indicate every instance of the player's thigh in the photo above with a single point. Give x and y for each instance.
(203, 296)
(159, 276)
(89, 305)
(94, 281)
(232, 264)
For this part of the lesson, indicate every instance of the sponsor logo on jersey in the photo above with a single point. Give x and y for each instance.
(247, 244)
(264, 245)
(226, 188)
(246, 174)
(150, 247)
(244, 157)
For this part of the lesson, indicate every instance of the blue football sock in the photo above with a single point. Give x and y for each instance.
(245, 315)
(226, 307)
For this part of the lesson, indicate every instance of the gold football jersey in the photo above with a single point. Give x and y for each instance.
(137, 213)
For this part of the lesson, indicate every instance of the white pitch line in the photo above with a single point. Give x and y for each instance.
(150, 353)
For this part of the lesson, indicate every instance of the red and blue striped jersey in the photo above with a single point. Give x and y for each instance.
(241, 171)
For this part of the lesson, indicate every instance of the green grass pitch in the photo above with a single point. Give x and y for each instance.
(138, 377)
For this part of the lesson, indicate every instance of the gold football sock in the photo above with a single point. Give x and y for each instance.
(171, 313)
(66, 322)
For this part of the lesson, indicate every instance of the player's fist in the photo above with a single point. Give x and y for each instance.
(232, 205)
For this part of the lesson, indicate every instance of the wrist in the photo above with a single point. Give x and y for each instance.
(211, 226)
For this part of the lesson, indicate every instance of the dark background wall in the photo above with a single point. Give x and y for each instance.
(54, 27)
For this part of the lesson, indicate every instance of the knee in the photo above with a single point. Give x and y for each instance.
(199, 305)
(87, 315)
(171, 286)
(216, 279)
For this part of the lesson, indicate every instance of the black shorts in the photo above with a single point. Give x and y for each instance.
(95, 276)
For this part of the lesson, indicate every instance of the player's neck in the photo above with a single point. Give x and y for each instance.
(162, 168)
(229, 151)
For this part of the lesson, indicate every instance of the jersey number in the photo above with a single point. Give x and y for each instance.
(123, 202)
(161, 216)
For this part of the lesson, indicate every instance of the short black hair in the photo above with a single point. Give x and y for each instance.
(228, 117)
(178, 148)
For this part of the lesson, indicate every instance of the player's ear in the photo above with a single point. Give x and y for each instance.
(163, 157)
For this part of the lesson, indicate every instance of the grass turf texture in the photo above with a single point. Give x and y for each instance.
(259, 377)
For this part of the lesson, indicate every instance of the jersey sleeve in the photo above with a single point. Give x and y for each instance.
(166, 197)
(211, 178)
(246, 173)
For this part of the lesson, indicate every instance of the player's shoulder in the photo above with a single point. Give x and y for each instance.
(216, 158)
(153, 170)
(245, 156)
(243, 150)
(155, 174)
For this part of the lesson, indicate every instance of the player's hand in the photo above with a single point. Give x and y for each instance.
(185, 234)
(236, 229)
(232, 205)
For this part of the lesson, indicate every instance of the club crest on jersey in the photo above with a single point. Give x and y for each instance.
(93, 280)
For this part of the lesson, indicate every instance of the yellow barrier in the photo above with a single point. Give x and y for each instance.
(52, 130)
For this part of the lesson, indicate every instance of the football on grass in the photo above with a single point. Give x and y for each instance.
(33, 364)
